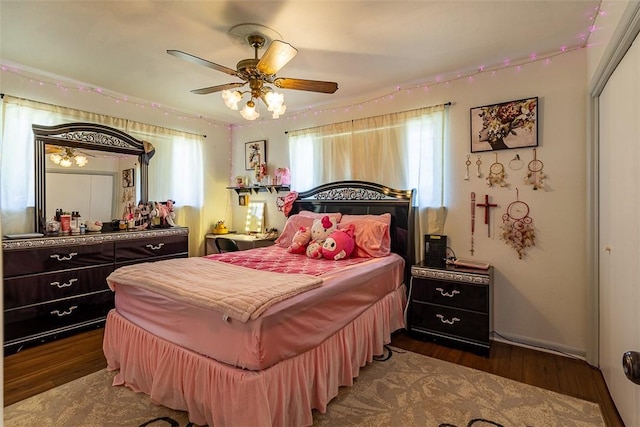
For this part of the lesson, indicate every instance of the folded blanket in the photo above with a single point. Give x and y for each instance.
(237, 292)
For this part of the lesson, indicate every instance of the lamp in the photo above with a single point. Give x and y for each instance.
(272, 99)
(67, 158)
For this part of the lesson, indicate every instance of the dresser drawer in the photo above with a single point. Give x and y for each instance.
(454, 294)
(459, 323)
(32, 261)
(35, 289)
(131, 250)
(42, 318)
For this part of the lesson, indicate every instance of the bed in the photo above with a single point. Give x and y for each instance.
(244, 360)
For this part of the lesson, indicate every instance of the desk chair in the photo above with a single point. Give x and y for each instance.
(225, 245)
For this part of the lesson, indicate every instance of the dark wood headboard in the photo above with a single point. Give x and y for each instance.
(362, 198)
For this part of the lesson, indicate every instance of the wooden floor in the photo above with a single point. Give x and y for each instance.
(40, 368)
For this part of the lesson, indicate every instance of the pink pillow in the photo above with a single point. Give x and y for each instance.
(293, 224)
(371, 234)
(317, 215)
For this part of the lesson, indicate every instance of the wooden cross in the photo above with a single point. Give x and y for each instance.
(486, 205)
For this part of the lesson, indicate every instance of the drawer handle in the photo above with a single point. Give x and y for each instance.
(64, 285)
(447, 294)
(155, 248)
(64, 313)
(64, 258)
(448, 322)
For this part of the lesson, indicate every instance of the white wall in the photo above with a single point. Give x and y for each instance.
(541, 299)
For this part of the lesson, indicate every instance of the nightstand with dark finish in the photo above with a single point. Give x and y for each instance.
(452, 306)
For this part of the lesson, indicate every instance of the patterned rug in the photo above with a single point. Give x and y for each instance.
(406, 389)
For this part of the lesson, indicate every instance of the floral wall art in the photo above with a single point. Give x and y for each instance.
(512, 124)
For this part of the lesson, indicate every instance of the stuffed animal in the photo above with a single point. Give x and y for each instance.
(339, 244)
(320, 230)
(300, 241)
(322, 227)
(314, 250)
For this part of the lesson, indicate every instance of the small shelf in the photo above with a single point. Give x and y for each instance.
(258, 188)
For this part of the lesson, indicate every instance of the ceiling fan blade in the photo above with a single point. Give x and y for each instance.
(308, 85)
(188, 57)
(277, 55)
(219, 88)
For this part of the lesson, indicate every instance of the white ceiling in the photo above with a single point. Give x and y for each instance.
(367, 47)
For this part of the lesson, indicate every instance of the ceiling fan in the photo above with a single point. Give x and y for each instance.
(257, 72)
(66, 156)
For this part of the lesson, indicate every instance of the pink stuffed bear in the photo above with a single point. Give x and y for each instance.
(320, 230)
(339, 244)
(300, 241)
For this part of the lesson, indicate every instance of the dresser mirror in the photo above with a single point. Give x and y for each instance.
(116, 171)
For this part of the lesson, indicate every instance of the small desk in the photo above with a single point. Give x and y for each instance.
(244, 241)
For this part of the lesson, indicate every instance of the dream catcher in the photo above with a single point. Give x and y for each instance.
(535, 176)
(517, 226)
(496, 174)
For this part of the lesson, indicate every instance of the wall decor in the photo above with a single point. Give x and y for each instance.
(512, 124)
(535, 176)
(517, 226)
(243, 200)
(128, 178)
(255, 153)
(496, 174)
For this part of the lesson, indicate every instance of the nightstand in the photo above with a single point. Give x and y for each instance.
(452, 306)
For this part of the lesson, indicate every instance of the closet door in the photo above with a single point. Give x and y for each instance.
(619, 249)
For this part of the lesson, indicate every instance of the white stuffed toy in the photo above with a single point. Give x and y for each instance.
(320, 230)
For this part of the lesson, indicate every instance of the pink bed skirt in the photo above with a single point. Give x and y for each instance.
(217, 394)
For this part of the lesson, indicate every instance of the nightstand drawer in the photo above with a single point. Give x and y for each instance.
(454, 294)
(459, 323)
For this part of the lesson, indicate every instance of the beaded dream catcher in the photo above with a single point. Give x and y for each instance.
(496, 174)
(517, 226)
(535, 176)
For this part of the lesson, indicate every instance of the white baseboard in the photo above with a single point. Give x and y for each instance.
(548, 347)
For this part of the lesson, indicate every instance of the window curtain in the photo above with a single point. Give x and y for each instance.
(176, 153)
(400, 150)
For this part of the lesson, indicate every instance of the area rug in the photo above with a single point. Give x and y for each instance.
(405, 389)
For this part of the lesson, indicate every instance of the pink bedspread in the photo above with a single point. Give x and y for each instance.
(273, 258)
(286, 329)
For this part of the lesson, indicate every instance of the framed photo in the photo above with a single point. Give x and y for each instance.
(255, 153)
(128, 178)
(243, 200)
(507, 125)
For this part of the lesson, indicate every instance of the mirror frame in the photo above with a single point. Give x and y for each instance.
(89, 136)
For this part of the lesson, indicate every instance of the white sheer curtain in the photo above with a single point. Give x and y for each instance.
(400, 150)
(175, 171)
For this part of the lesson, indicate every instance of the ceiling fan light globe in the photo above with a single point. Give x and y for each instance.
(275, 100)
(66, 162)
(280, 111)
(231, 98)
(249, 111)
(81, 160)
(55, 158)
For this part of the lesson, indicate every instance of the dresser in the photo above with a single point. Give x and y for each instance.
(452, 306)
(56, 286)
